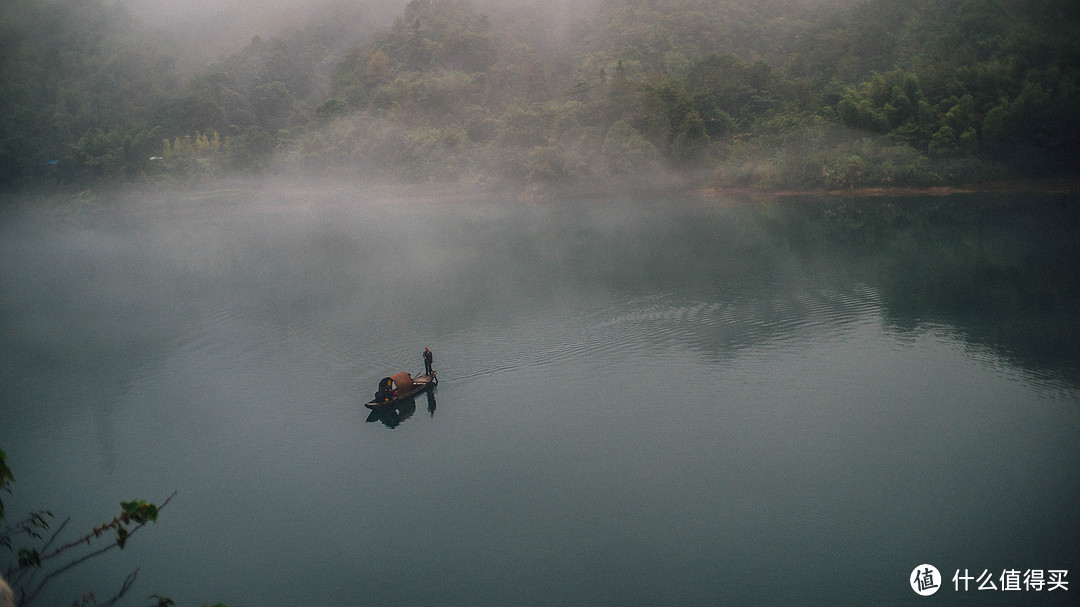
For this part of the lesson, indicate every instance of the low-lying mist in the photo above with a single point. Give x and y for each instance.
(336, 255)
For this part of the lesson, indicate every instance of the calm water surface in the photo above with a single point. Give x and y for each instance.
(661, 402)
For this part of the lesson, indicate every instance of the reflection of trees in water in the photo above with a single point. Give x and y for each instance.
(1000, 269)
(727, 275)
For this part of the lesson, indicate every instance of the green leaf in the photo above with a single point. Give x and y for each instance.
(121, 537)
(5, 472)
(6, 478)
(29, 558)
(140, 511)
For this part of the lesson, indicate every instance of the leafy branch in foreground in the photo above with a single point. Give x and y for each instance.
(38, 562)
(6, 478)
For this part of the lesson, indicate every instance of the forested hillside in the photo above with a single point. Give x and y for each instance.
(772, 94)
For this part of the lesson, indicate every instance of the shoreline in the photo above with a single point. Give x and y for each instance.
(155, 197)
(1062, 186)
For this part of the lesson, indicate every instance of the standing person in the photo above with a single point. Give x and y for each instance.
(427, 362)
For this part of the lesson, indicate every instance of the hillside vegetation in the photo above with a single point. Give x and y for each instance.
(772, 94)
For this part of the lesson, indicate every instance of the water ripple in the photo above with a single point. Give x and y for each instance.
(651, 327)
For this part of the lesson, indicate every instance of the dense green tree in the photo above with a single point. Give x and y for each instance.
(120, 152)
(672, 119)
(69, 69)
(782, 93)
(626, 151)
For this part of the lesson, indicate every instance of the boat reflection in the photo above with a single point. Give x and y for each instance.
(393, 414)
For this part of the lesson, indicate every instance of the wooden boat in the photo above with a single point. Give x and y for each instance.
(398, 387)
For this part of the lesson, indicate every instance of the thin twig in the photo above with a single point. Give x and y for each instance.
(128, 583)
(92, 536)
(15, 573)
(25, 527)
(56, 533)
(28, 597)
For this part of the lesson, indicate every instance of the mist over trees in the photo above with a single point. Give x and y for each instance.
(772, 94)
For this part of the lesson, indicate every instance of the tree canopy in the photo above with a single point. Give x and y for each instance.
(783, 93)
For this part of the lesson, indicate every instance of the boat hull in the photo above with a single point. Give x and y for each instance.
(420, 384)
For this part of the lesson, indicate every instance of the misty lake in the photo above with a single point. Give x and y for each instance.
(643, 401)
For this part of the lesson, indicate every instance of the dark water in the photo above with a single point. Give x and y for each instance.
(661, 402)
